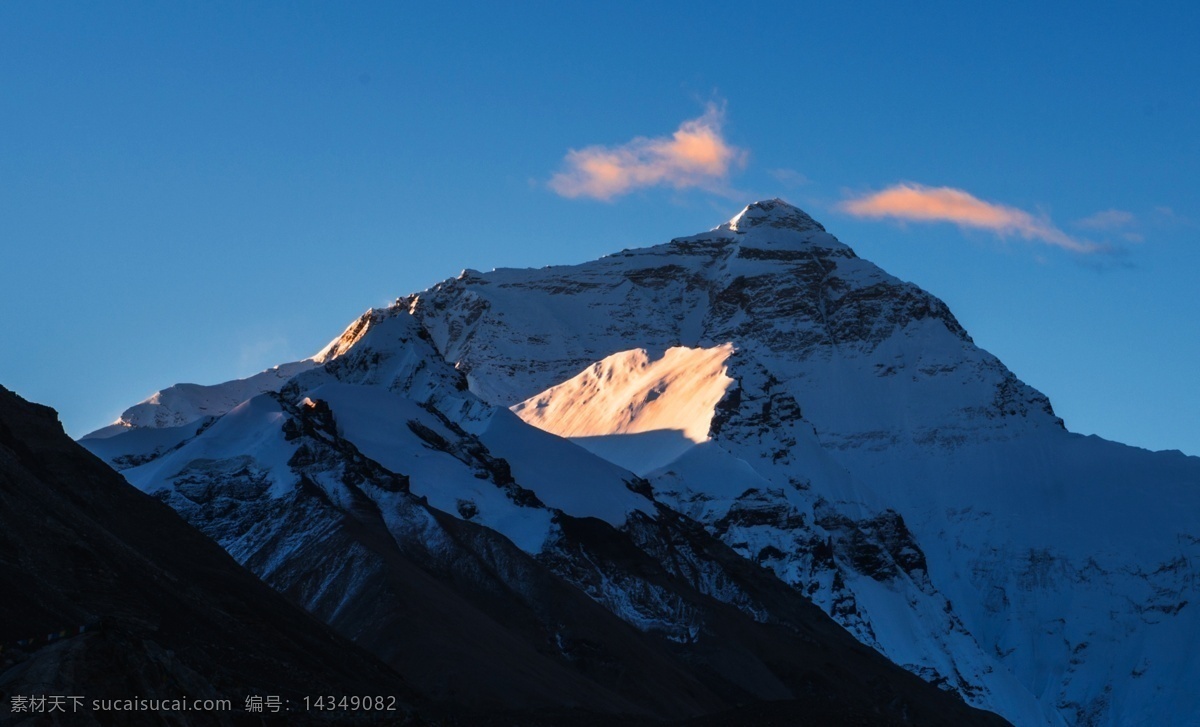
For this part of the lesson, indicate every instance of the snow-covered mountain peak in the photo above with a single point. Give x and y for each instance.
(773, 225)
(823, 418)
(772, 213)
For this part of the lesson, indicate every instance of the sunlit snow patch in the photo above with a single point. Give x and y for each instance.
(636, 412)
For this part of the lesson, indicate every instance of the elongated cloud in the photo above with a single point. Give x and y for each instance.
(1107, 220)
(696, 155)
(918, 203)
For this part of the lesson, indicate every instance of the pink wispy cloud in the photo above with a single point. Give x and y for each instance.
(918, 203)
(696, 155)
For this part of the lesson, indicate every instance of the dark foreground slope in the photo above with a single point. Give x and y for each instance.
(166, 613)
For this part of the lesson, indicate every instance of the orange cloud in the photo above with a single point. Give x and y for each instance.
(918, 203)
(696, 155)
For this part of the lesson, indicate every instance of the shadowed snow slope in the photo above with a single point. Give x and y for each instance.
(183, 404)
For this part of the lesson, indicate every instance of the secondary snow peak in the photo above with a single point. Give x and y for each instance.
(628, 393)
(636, 411)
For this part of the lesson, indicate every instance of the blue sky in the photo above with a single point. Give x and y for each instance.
(194, 193)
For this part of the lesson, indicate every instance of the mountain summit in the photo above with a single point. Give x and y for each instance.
(756, 392)
(773, 213)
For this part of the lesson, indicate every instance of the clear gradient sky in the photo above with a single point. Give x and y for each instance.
(194, 192)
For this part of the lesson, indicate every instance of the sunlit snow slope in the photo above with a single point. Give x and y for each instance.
(633, 411)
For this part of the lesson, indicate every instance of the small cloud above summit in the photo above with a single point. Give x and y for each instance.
(696, 155)
(918, 203)
(1107, 220)
(789, 177)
